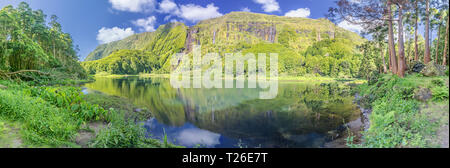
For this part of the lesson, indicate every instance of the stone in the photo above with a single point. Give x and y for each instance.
(422, 94)
(417, 67)
(432, 69)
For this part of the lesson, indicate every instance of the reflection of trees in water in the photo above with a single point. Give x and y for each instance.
(299, 109)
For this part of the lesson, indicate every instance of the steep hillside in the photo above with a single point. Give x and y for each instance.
(136, 41)
(235, 32)
(136, 55)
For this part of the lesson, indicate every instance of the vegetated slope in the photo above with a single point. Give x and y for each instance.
(141, 56)
(242, 31)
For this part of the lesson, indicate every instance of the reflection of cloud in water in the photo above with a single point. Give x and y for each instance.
(186, 135)
(194, 136)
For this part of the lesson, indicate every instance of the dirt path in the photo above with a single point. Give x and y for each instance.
(9, 136)
(86, 136)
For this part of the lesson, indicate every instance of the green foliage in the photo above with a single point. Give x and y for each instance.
(333, 58)
(53, 116)
(329, 49)
(122, 133)
(396, 120)
(124, 62)
(27, 42)
(147, 56)
(440, 93)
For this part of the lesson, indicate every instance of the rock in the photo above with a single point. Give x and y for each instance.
(432, 69)
(417, 67)
(3, 87)
(422, 94)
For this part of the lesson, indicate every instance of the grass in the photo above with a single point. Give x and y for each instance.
(52, 116)
(398, 119)
(118, 104)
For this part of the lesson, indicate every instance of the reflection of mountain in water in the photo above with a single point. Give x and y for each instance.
(300, 116)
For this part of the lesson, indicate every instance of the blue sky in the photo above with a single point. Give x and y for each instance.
(92, 22)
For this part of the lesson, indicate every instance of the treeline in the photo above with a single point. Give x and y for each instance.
(329, 57)
(335, 58)
(396, 44)
(124, 62)
(27, 42)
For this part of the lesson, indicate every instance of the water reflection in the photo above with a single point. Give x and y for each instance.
(300, 116)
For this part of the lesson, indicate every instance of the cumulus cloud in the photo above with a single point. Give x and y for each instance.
(168, 6)
(349, 26)
(246, 9)
(133, 5)
(106, 35)
(146, 24)
(196, 13)
(301, 12)
(268, 5)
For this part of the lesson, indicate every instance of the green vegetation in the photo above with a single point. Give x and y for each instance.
(140, 55)
(28, 43)
(305, 46)
(52, 116)
(401, 116)
(38, 108)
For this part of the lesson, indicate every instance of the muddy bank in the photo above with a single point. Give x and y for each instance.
(339, 137)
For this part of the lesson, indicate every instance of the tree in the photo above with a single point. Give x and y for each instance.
(370, 14)
(416, 46)
(392, 53)
(401, 4)
(444, 56)
(427, 57)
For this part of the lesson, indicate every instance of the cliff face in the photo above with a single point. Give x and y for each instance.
(227, 33)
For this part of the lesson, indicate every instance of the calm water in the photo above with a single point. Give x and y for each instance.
(300, 116)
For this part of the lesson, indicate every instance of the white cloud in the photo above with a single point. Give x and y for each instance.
(146, 24)
(246, 9)
(349, 26)
(133, 5)
(168, 6)
(175, 20)
(196, 13)
(301, 12)
(268, 5)
(106, 35)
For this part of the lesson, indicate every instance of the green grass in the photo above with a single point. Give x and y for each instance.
(399, 120)
(52, 116)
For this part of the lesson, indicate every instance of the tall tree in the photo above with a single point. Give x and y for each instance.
(371, 14)
(416, 46)
(427, 57)
(392, 55)
(444, 56)
(438, 38)
(401, 5)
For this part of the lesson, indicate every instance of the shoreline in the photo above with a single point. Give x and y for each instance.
(282, 78)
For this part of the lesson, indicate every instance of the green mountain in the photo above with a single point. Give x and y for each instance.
(294, 38)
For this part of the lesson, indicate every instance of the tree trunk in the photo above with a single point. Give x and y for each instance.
(444, 59)
(416, 46)
(401, 44)
(437, 44)
(427, 57)
(392, 54)
(408, 58)
(384, 60)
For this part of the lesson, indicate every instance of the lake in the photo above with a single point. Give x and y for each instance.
(301, 116)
